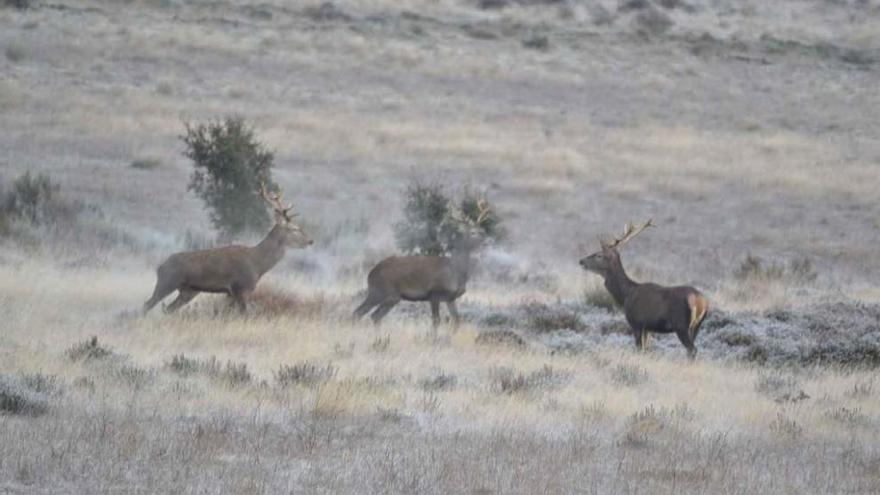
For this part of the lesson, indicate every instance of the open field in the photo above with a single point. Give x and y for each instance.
(741, 127)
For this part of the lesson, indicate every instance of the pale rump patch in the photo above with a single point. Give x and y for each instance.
(699, 305)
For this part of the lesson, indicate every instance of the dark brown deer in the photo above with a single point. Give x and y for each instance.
(232, 270)
(434, 279)
(648, 307)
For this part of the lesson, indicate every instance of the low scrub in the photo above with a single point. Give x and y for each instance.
(306, 374)
(231, 374)
(543, 318)
(508, 381)
(23, 397)
(88, 350)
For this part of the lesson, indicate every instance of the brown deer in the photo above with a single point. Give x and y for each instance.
(232, 270)
(425, 278)
(648, 307)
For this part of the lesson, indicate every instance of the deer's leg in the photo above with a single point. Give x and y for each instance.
(383, 310)
(435, 314)
(453, 311)
(369, 303)
(685, 338)
(183, 296)
(638, 334)
(160, 292)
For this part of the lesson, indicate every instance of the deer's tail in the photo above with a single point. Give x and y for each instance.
(699, 306)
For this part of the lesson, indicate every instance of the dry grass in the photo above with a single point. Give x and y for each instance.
(200, 388)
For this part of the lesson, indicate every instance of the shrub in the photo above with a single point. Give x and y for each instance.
(786, 427)
(232, 374)
(629, 375)
(19, 397)
(600, 297)
(15, 52)
(500, 337)
(438, 381)
(431, 223)
(146, 163)
(305, 373)
(543, 318)
(799, 270)
(17, 4)
(507, 381)
(33, 198)
(88, 350)
(230, 164)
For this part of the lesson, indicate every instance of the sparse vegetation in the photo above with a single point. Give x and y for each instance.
(306, 373)
(754, 268)
(88, 350)
(629, 375)
(17, 4)
(20, 397)
(229, 166)
(146, 163)
(231, 374)
(15, 52)
(508, 381)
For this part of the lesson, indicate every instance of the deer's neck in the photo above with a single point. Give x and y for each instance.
(269, 251)
(618, 283)
(461, 263)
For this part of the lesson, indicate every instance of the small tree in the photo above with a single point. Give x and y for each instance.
(431, 223)
(229, 166)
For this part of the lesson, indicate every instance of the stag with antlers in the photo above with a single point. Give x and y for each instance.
(425, 278)
(648, 307)
(232, 270)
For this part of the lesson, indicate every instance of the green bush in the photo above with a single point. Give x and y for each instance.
(229, 166)
(433, 220)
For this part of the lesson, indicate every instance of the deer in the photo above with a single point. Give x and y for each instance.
(648, 307)
(233, 270)
(419, 278)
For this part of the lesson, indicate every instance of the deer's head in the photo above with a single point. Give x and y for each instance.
(291, 231)
(607, 258)
(473, 233)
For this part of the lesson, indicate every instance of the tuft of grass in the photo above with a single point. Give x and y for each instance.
(438, 381)
(17, 4)
(500, 337)
(146, 163)
(543, 318)
(861, 390)
(231, 374)
(380, 344)
(306, 373)
(88, 350)
(786, 427)
(629, 375)
(849, 417)
(15, 53)
(507, 381)
(779, 387)
(599, 297)
(754, 268)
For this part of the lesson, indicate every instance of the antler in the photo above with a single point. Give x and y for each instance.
(275, 202)
(629, 232)
(482, 211)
